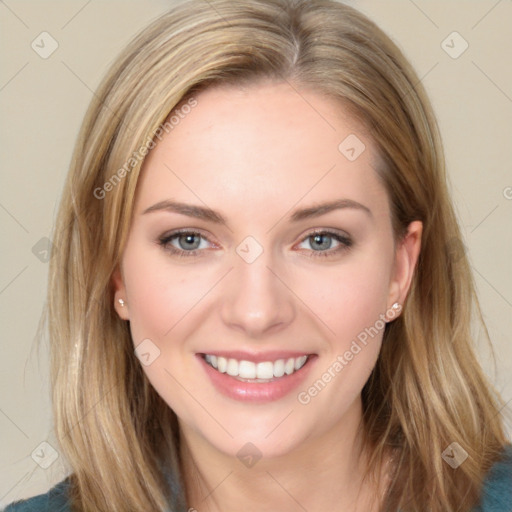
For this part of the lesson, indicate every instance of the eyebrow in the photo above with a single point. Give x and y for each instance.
(207, 214)
(323, 208)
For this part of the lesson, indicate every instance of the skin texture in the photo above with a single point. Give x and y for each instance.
(255, 155)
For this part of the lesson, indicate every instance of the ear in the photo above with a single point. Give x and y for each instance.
(406, 257)
(119, 293)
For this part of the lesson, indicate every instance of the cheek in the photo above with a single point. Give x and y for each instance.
(351, 301)
(349, 298)
(159, 295)
(352, 307)
(161, 300)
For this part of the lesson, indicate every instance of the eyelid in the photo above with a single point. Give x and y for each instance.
(165, 239)
(180, 231)
(344, 240)
(321, 230)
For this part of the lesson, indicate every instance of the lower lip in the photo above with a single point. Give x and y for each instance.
(257, 391)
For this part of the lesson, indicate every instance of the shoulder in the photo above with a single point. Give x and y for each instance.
(55, 500)
(497, 490)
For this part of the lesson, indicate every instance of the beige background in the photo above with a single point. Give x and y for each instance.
(42, 102)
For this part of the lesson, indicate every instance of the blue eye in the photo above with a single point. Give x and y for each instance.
(187, 241)
(326, 243)
(192, 243)
(184, 243)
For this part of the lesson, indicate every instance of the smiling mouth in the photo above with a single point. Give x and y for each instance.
(248, 371)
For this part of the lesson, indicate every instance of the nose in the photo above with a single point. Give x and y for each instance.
(256, 301)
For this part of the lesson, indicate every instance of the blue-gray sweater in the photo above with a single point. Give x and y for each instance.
(496, 496)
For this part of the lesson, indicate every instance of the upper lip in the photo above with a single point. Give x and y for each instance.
(256, 357)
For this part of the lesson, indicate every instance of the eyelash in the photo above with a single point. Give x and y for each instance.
(344, 241)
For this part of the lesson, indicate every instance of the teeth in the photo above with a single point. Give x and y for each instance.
(222, 364)
(249, 370)
(246, 370)
(279, 368)
(300, 362)
(265, 370)
(289, 367)
(232, 367)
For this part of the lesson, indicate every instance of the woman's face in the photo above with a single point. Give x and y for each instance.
(262, 237)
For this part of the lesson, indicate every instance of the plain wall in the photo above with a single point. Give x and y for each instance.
(42, 102)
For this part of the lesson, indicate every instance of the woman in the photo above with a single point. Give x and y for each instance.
(254, 300)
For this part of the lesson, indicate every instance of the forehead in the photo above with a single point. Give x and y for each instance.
(266, 144)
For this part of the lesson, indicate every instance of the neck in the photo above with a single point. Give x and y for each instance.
(323, 473)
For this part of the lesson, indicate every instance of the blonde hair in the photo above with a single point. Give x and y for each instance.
(427, 389)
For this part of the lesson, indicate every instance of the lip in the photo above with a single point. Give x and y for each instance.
(257, 392)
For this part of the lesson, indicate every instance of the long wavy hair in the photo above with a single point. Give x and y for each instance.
(427, 389)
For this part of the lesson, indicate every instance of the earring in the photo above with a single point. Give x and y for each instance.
(121, 301)
(393, 311)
